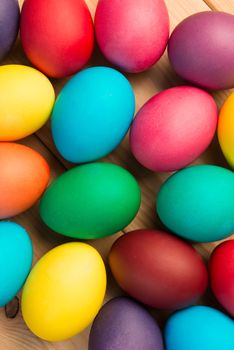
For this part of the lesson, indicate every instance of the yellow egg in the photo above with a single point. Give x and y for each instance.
(64, 291)
(26, 100)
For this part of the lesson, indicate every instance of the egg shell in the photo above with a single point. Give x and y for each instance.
(24, 176)
(15, 259)
(124, 324)
(92, 114)
(141, 31)
(201, 50)
(173, 128)
(199, 327)
(222, 274)
(197, 203)
(158, 269)
(57, 36)
(27, 99)
(96, 200)
(64, 291)
(9, 25)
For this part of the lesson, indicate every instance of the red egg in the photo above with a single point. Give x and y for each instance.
(158, 269)
(132, 34)
(222, 274)
(57, 35)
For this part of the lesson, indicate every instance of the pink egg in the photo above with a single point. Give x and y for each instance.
(132, 34)
(173, 128)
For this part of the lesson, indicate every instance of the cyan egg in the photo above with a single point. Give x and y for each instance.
(92, 114)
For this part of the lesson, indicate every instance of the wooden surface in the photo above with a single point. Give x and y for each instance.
(13, 333)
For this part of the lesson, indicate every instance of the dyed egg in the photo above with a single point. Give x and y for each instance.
(201, 50)
(222, 274)
(158, 269)
(9, 25)
(15, 259)
(95, 200)
(27, 99)
(124, 324)
(199, 327)
(92, 114)
(64, 291)
(24, 176)
(226, 129)
(173, 128)
(197, 203)
(57, 36)
(141, 31)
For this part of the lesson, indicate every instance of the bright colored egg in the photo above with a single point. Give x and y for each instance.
(173, 128)
(24, 176)
(222, 274)
(57, 36)
(64, 291)
(158, 269)
(201, 50)
(199, 327)
(27, 99)
(92, 114)
(15, 259)
(95, 200)
(9, 25)
(124, 324)
(132, 34)
(197, 203)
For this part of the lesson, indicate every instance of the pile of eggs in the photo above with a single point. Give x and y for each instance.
(63, 293)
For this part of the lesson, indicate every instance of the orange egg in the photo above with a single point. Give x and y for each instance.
(24, 176)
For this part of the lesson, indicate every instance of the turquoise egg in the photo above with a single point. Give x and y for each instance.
(197, 203)
(199, 328)
(15, 259)
(92, 114)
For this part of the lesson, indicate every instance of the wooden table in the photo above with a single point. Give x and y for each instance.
(14, 335)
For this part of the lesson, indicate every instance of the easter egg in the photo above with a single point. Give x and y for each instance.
(132, 34)
(173, 128)
(222, 274)
(199, 327)
(57, 36)
(15, 259)
(24, 176)
(64, 291)
(96, 200)
(158, 269)
(27, 98)
(9, 25)
(196, 203)
(201, 50)
(92, 114)
(124, 324)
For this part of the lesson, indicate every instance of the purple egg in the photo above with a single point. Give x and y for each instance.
(9, 25)
(201, 50)
(123, 324)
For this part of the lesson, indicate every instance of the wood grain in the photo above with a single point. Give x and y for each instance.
(13, 333)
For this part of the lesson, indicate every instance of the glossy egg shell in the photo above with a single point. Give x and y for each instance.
(57, 36)
(158, 269)
(141, 30)
(92, 114)
(15, 259)
(173, 128)
(124, 324)
(23, 178)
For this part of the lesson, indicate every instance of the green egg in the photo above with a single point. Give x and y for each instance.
(91, 201)
(197, 203)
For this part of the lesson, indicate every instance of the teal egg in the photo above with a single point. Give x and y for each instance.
(197, 203)
(92, 114)
(15, 259)
(199, 328)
